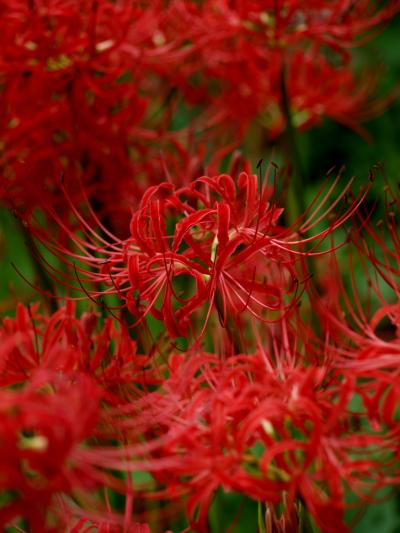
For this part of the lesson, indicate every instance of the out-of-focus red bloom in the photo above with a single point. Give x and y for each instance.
(265, 424)
(64, 343)
(318, 89)
(78, 92)
(42, 426)
(340, 24)
(241, 51)
(65, 385)
(97, 89)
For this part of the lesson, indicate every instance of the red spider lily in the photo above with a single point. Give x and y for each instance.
(39, 440)
(239, 52)
(107, 77)
(366, 332)
(242, 425)
(317, 89)
(356, 326)
(86, 66)
(100, 113)
(225, 238)
(55, 370)
(298, 421)
(376, 254)
(340, 24)
(65, 343)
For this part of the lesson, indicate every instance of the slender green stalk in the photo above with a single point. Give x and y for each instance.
(295, 193)
(44, 280)
(261, 523)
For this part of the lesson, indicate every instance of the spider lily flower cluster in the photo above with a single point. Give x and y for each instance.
(202, 342)
(123, 69)
(280, 420)
(273, 417)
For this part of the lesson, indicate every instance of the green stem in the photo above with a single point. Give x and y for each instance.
(231, 330)
(295, 204)
(45, 282)
(295, 194)
(260, 516)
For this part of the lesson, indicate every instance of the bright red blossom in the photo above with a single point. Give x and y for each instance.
(225, 241)
(105, 424)
(270, 432)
